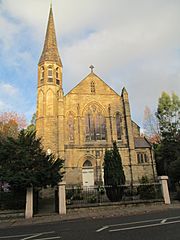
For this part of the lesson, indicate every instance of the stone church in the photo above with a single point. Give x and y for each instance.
(82, 124)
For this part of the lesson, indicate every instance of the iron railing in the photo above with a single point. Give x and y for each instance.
(77, 196)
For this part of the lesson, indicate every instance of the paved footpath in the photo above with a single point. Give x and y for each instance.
(91, 212)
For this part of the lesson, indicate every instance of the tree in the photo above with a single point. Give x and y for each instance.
(24, 163)
(174, 170)
(150, 126)
(168, 115)
(11, 123)
(114, 176)
(32, 126)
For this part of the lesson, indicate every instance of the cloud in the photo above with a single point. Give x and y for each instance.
(130, 43)
(8, 89)
(3, 106)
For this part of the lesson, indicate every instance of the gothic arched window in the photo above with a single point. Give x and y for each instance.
(95, 126)
(71, 127)
(50, 74)
(118, 126)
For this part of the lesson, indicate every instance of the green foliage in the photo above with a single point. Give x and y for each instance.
(12, 200)
(146, 190)
(174, 170)
(92, 199)
(168, 151)
(74, 193)
(24, 163)
(32, 126)
(168, 114)
(113, 174)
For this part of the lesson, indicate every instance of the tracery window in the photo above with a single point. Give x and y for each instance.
(50, 74)
(95, 125)
(118, 126)
(71, 127)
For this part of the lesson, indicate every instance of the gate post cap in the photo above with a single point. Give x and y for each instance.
(61, 183)
(163, 177)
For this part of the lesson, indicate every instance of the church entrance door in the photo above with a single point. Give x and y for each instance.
(88, 177)
(88, 174)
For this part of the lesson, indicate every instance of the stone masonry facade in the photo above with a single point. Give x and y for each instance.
(82, 124)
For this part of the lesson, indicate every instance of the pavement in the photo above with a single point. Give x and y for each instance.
(10, 219)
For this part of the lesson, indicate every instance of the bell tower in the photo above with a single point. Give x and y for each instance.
(50, 90)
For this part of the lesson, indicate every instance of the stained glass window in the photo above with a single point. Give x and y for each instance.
(95, 126)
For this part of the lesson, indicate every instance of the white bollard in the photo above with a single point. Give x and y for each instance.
(165, 191)
(62, 197)
(29, 203)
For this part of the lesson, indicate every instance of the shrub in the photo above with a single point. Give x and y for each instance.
(146, 190)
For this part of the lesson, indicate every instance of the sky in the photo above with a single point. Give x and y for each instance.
(131, 43)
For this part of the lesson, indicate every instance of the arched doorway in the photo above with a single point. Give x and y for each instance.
(88, 174)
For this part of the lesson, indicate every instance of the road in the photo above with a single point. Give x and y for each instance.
(152, 226)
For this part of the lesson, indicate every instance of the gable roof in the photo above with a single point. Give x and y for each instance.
(141, 142)
(89, 76)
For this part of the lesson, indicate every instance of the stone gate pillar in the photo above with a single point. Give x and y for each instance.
(29, 203)
(165, 191)
(62, 197)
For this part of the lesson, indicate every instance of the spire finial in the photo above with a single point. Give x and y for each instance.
(51, 4)
(91, 67)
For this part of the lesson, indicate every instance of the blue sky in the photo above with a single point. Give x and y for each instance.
(135, 44)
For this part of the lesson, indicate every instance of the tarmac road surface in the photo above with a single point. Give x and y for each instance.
(164, 225)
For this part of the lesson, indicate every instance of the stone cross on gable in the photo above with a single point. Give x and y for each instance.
(91, 67)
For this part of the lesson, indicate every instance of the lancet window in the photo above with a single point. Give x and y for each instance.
(57, 76)
(118, 126)
(50, 74)
(93, 90)
(42, 75)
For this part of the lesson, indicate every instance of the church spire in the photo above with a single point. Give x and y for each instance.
(50, 50)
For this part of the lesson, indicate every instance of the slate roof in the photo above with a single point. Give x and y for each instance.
(141, 142)
(50, 50)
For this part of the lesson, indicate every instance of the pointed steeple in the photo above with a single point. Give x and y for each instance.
(124, 91)
(50, 50)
